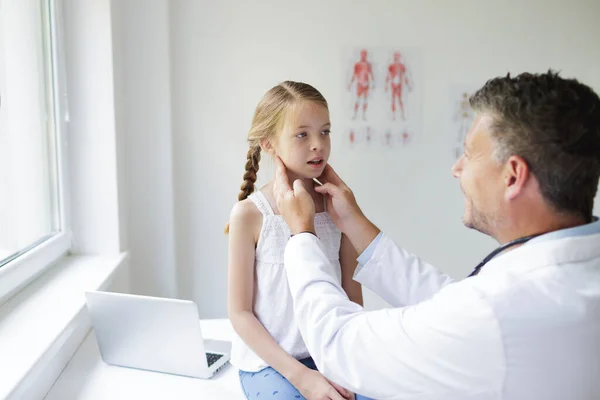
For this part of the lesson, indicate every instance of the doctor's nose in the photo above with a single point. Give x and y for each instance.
(457, 168)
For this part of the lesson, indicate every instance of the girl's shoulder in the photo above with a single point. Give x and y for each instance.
(245, 211)
(246, 215)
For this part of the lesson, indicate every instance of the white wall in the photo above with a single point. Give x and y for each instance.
(143, 103)
(224, 55)
(91, 142)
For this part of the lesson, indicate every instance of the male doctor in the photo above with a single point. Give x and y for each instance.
(526, 323)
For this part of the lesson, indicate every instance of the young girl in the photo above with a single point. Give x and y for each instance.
(292, 122)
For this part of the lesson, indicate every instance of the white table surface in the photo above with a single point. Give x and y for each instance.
(88, 377)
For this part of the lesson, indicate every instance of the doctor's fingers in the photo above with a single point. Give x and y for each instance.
(329, 175)
(330, 189)
(343, 195)
(281, 184)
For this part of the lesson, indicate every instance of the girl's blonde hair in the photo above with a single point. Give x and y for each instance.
(268, 122)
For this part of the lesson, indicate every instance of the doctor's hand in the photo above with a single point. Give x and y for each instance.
(314, 386)
(344, 210)
(295, 204)
(341, 204)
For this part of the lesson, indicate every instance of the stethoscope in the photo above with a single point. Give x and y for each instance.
(500, 250)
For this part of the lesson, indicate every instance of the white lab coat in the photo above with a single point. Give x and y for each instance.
(526, 328)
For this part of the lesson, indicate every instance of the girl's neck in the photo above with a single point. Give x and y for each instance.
(308, 184)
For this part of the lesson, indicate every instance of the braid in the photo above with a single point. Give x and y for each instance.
(252, 160)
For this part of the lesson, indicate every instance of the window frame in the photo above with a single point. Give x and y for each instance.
(27, 264)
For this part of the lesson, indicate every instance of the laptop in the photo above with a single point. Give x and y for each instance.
(154, 334)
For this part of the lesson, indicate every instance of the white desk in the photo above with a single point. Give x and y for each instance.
(88, 377)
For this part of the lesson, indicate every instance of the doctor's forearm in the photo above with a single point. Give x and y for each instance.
(398, 276)
(361, 233)
(387, 353)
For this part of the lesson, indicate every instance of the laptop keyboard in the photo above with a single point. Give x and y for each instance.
(212, 358)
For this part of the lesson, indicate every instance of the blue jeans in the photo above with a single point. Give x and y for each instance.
(268, 383)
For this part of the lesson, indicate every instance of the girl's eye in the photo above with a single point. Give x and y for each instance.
(301, 135)
(326, 132)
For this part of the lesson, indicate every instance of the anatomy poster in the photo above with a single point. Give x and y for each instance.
(462, 116)
(383, 96)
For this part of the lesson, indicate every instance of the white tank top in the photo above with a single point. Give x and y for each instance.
(272, 299)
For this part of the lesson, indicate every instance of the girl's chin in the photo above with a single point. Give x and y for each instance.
(306, 174)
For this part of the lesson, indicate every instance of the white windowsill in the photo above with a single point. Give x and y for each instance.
(42, 326)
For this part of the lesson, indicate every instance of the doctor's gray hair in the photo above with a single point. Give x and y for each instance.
(554, 125)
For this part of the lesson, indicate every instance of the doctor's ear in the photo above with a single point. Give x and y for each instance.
(267, 146)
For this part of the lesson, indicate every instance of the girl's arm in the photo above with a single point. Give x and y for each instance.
(348, 263)
(244, 228)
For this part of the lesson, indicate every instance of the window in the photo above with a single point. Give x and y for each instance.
(32, 214)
